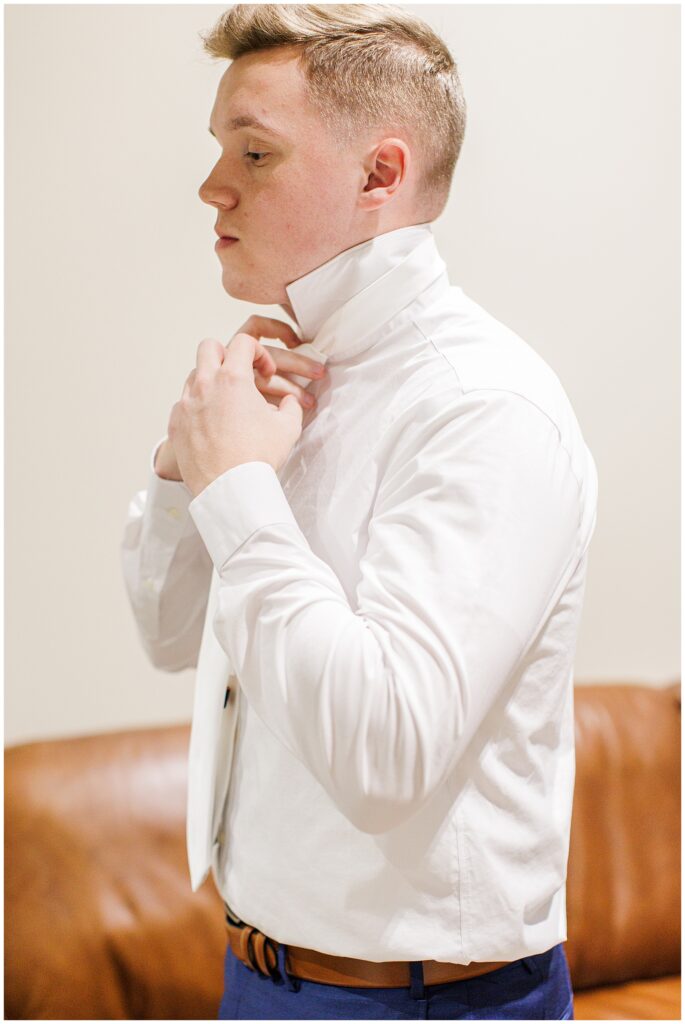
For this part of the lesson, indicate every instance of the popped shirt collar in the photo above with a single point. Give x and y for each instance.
(341, 303)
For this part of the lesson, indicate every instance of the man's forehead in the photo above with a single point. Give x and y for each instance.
(262, 92)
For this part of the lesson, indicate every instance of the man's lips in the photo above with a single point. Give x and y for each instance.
(224, 241)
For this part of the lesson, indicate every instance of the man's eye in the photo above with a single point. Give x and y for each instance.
(253, 157)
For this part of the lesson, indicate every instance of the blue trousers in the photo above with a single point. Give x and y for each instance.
(534, 988)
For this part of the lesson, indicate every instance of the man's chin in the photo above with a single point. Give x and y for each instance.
(251, 291)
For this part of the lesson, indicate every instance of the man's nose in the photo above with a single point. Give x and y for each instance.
(217, 193)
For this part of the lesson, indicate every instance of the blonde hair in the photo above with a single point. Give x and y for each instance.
(365, 66)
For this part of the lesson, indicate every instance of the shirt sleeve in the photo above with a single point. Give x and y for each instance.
(167, 571)
(473, 535)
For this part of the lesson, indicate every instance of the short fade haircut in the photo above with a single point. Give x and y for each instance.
(365, 66)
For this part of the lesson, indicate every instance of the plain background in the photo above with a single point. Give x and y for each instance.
(563, 222)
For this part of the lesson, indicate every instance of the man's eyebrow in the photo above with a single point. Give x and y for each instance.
(248, 121)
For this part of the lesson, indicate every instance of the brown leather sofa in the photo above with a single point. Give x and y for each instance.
(100, 921)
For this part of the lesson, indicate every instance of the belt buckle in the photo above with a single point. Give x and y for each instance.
(270, 944)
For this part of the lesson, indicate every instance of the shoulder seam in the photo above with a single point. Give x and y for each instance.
(525, 398)
(509, 391)
(442, 355)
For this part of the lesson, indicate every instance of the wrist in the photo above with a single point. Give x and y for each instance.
(165, 465)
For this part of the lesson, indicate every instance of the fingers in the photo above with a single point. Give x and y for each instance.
(238, 357)
(268, 327)
(210, 355)
(292, 362)
(279, 386)
(244, 352)
(291, 411)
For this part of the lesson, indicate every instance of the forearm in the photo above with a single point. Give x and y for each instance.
(378, 703)
(167, 573)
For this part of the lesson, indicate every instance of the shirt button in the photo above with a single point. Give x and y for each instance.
(173, 513)
(149, 583)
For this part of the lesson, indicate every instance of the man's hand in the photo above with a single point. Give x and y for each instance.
(222, 419)
(165, 464)
(287, 361)
(272, 387)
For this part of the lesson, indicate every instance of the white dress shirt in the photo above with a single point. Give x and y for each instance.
(395, 612)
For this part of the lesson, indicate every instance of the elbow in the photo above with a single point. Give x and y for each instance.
(170, 657)
(166, 664)
(391, 773)
(173, 654)
(383, 807)
(378, 816)
(170, 645)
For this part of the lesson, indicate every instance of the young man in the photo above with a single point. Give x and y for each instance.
(382, 592)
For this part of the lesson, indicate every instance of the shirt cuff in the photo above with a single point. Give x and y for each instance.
(235, 504)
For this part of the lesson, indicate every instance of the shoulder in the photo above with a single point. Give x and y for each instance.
(483, 385)
(483, 354)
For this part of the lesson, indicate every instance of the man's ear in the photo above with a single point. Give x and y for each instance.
(386, 168)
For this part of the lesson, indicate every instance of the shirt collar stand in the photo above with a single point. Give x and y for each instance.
(318, 296)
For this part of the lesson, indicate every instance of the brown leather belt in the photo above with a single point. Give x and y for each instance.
(259, 952)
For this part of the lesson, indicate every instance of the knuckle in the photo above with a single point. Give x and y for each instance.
(281, 383)
(208, 344)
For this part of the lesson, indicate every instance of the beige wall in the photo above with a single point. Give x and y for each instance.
(563, 222)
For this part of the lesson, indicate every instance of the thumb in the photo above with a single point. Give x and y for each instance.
(290, 407)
